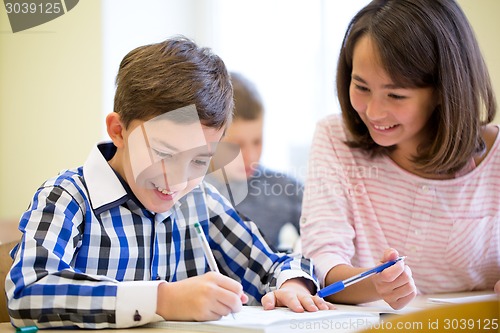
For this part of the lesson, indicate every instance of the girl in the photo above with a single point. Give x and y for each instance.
(411, 168)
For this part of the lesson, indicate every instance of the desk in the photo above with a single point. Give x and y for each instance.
(419, 303)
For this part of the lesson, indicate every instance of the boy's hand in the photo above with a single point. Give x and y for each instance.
(395, 284)
(296, 295)
(206, 297)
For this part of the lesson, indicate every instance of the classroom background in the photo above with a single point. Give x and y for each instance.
(57, 79)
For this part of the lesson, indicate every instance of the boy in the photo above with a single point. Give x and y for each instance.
(113, 243)
(273, 200)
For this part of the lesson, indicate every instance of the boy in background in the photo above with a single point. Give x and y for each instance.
(273, 200)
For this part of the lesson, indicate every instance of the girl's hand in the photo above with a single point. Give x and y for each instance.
(497, 287)
(296, 295)
(395, 284)
(206, 297)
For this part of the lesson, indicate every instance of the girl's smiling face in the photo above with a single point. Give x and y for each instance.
(393, 115)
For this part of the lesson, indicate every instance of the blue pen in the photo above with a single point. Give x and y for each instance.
(340, 285)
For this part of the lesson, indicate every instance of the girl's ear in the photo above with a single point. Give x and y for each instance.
(115, 129)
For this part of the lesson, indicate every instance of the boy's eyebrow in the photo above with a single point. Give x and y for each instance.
(386, 86)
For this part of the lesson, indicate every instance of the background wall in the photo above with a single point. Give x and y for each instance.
(51, 90)
(50, 100)
(483, 14)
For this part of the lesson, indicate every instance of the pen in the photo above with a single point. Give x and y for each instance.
(340, 285)
(206, 248)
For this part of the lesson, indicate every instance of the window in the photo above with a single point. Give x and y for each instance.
(288, 48)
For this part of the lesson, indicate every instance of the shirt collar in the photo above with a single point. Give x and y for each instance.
(102, 183)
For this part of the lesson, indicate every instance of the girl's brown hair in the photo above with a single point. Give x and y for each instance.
(425, 43)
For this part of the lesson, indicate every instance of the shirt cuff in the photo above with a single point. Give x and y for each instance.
(136, 303)
(292, 274)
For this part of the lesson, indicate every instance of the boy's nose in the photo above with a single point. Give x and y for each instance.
(175, 176)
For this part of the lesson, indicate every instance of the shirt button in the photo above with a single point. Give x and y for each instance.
(427, 189)
(303, 220)
(137, 316)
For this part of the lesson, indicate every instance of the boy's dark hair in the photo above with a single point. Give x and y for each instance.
(162, 77)
(247, 101)
(425, 43)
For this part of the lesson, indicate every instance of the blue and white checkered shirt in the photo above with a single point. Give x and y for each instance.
(92, 256)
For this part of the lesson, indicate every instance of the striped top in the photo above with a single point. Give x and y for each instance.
(356, 207)
(92, 256)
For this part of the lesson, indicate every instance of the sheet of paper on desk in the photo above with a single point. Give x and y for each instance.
(465, 299)
(253, 319)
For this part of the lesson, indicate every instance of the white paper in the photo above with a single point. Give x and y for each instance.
(256, 319)
(465, 299)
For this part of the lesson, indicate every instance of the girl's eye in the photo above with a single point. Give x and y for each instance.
(394, 96)
(361, 88)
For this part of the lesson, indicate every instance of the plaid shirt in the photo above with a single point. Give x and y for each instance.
(92, 256)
